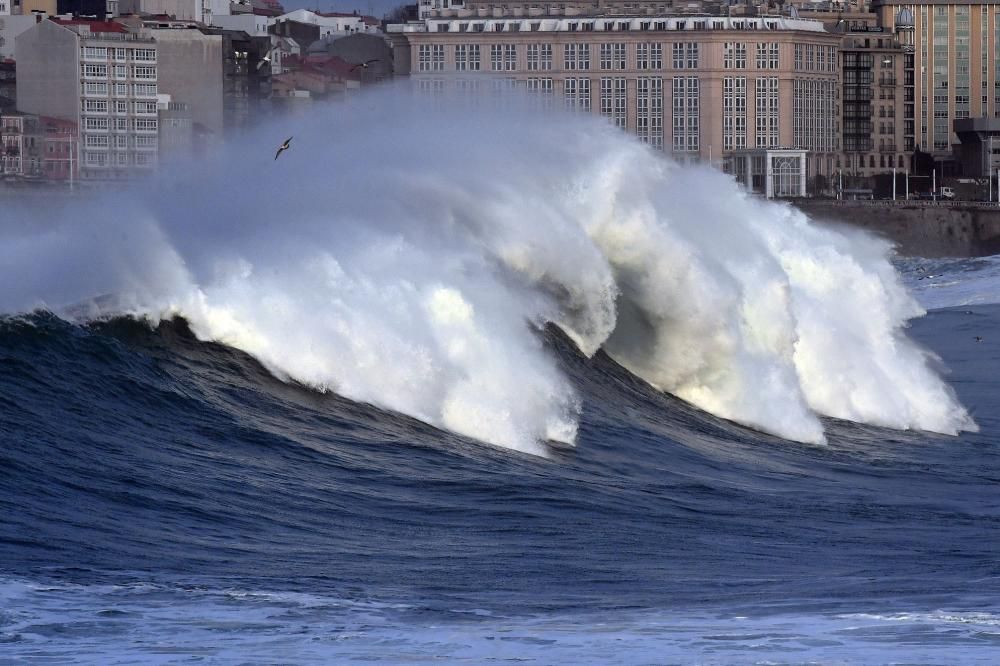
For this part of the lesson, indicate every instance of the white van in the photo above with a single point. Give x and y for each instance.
(946, 193)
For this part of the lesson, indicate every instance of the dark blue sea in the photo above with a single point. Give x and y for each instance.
(165, 500)
(603, 410)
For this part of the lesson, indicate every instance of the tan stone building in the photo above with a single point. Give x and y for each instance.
(956, 51)
(698, 87)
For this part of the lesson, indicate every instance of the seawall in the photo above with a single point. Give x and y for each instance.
(926, 229)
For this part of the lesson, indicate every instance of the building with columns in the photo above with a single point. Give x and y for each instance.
(698, 87)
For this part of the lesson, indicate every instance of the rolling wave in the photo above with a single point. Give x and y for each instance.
(413, 265)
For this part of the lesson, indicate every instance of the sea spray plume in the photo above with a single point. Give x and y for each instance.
(853, 357)
(704, 309)
(403, 259)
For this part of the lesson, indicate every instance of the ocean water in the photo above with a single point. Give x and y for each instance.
(592, 409)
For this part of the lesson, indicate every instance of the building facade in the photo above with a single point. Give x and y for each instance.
(699, 88)
(101, 77)
(956, 64)
(877, 110)
(38, 149)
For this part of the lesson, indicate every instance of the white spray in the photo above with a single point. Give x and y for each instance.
(400, 255)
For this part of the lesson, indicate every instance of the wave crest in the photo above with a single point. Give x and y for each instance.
(400, 262)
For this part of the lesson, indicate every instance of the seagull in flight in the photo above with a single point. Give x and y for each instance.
(366, 63)
(283, 147)
(266, 58)
(979, 338)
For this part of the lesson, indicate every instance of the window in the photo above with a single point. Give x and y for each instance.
(95, 123)
(145, 142)
(539, 57)
(577, 94)
(467, 57)
(767, 55)
(734, 55)
(649, 56)
(685, 55)
(95, 89)
(686, 114)
(503, 57)
(430, 58)
(767, 111)
(141, 72)
(120, 55)
(121, 124)
(613, 100)
(144, 107)
(96, 141)
(95, 106)
(613, 56)
(145, 124)
(509, 57)
(121, 72)
(121, 141)
(95, 71)
(576, 56)
(121, 106)
(649, 111)
(734, 113)
(144, 55)
(95, 52)
(143, 89)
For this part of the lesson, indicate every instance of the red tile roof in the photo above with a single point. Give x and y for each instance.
(95, 26)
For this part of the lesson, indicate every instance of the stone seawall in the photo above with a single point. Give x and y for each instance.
(923, 229)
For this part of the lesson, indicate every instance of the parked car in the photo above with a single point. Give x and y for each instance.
(946, 193)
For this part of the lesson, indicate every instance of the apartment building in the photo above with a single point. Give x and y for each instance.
(102, 77)
(877, 109)
(956, 51)
(700, 88)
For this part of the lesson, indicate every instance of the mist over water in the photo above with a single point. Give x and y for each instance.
(406, 253)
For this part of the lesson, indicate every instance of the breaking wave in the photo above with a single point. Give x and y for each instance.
(405, 254)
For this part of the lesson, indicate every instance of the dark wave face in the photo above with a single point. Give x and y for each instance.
(161, 493)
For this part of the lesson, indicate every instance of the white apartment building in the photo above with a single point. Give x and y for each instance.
(102, 77)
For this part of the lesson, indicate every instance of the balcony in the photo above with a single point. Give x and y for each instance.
(887, 148)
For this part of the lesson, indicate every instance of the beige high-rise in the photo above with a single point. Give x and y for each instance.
(956, 63)
(696, 87)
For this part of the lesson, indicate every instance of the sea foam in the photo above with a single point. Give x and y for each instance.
(406, 257)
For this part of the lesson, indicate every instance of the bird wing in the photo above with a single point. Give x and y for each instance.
(355, 67)
(280, 148)
(288, 141)
(373, 60)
